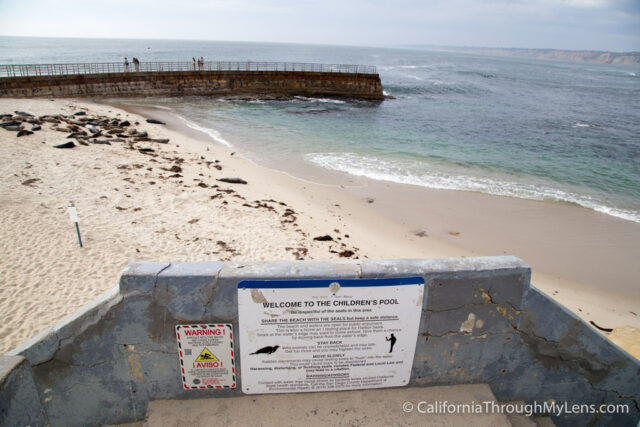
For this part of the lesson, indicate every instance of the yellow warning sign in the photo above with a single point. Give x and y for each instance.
(206, 356)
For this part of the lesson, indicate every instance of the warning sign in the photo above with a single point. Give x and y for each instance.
(325, 335)
(206, 356)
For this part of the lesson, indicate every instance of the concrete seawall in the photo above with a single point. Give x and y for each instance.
(480, 323)
(200, 83)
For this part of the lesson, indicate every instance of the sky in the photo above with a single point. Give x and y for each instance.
(612, 25)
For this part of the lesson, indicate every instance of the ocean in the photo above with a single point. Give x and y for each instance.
(517, 127)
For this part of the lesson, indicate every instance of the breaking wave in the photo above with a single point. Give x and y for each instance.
(415, 173)
(214, 134)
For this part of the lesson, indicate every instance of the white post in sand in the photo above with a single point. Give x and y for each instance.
(73, 215)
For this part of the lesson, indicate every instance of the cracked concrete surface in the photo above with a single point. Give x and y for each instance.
(481, 323)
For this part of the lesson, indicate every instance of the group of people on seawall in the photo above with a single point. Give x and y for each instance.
(136, 63)
(200, 63)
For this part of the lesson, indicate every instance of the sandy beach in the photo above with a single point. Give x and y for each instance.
(147, 200)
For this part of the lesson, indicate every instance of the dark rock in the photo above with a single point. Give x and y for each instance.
(69, 144)
(346, 254)
(24, 132)
(30, 181)
(156, 122)
(233, 180)
(325, 238)
(79, 113)
(146, 150)
(125, 123)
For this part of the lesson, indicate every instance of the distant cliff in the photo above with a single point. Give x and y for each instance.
(599, 57)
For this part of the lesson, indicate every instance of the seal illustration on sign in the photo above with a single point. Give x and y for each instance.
(393, 340)
(267, 350)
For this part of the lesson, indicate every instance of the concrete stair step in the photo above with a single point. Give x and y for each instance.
(346, 408)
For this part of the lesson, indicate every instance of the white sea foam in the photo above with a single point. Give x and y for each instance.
(326, 100)
(414, 77)
(583, 125)
(406, 172)
(214, 134)
(161, 107)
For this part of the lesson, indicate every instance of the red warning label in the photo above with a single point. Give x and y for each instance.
(206, 356)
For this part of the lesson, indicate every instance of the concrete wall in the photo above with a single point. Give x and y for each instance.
(106, 362)
(203, 83)
(19, 399)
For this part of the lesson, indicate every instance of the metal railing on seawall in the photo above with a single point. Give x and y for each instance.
(26, 70)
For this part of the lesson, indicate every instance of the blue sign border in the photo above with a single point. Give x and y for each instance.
(324, 283)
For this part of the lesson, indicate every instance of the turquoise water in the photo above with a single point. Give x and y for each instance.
(518, 127)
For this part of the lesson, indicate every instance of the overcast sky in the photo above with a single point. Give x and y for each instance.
(559, 24)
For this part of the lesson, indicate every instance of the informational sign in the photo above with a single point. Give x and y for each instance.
(324, 335)
(206, 356)
(73, 214)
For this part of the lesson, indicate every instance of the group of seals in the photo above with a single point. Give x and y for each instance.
(82, 128)
(16, 123)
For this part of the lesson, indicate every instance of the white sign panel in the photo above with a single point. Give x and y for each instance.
(206, 356)
(324, 335)
(73, 214)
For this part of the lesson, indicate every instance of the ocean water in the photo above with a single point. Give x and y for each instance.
(534, 129)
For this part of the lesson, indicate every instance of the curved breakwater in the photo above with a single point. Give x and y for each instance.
(534, 129)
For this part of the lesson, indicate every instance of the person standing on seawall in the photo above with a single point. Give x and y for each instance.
(194, 64)
(126, 64)
(136, 64)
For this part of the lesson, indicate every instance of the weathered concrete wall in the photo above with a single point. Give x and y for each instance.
(19, 399)
(202, 83)
(481, 323)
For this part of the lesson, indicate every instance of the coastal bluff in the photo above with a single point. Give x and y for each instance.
(222, 79)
